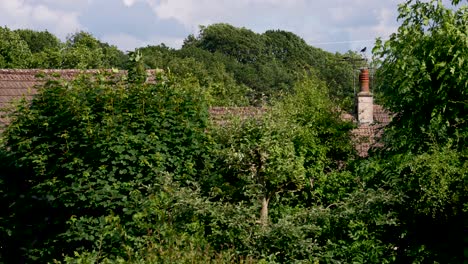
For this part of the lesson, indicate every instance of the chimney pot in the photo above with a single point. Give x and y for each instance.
(364, 80)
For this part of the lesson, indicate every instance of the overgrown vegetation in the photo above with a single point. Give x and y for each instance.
(237, 66)
(108, 168)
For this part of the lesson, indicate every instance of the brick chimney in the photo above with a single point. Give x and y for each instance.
(365, 101)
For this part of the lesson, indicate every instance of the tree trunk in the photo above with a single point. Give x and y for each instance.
(264, 211)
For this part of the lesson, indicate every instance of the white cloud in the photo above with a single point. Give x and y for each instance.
(129, 2)
(316, 21)
(365, 34)
(23, 14)
(66, 4)
(202, 12)
(386, 25)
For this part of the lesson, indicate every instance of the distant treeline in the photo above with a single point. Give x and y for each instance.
(241, 67)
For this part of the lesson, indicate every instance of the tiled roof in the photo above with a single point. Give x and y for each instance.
(15, 83)
(367, 135)
(219, 115)
(18, 83)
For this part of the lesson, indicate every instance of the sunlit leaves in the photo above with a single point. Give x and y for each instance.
(14, 51)
(423, 75)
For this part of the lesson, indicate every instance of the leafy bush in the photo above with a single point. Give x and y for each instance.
(82, 149)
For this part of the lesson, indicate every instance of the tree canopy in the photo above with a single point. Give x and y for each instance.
(14, 51)
(423, 80)
(423, 76)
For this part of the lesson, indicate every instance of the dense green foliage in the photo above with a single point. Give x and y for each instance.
(133, 173)
(38, 40)
(14, 51)
(424, 76)
(241, 67)
(83, 51)
(270, 63)
(423, 79)
(25, 48)
(112, 168)
(113, 140)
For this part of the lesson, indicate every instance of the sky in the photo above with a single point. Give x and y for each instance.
(333, 25)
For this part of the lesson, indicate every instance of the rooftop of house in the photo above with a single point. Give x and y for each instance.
(16, 83)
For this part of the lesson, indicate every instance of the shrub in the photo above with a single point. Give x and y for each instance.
(81, 149)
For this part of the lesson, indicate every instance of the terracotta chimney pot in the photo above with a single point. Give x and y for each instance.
(364, 80)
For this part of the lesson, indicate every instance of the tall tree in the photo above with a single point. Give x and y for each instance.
(84, 51)
(240, 43)
(157, 56)
(424, 76)
(39, 40)
(14, 51)
(112, 56)
(45, 48)
(423, 79)
(287, 47)
(300, 141)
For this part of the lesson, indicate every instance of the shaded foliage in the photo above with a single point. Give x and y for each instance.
(270, 63)
(39, 41)
(111, 138)
(423, 80)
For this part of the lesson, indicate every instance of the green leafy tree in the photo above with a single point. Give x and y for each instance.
(423, 76)
(298, 57)
(45, 48)
(208, 68)
(297, 144)
(423, 80)
(82, 51)
(14, 51)
(157, 57)
(220, 85)
(259, 155)
(287, 47)
(39, 40)
(113, 57)
(270, 63)
(47, 59)
(240, 43)
(323, 137)
(246, 57)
